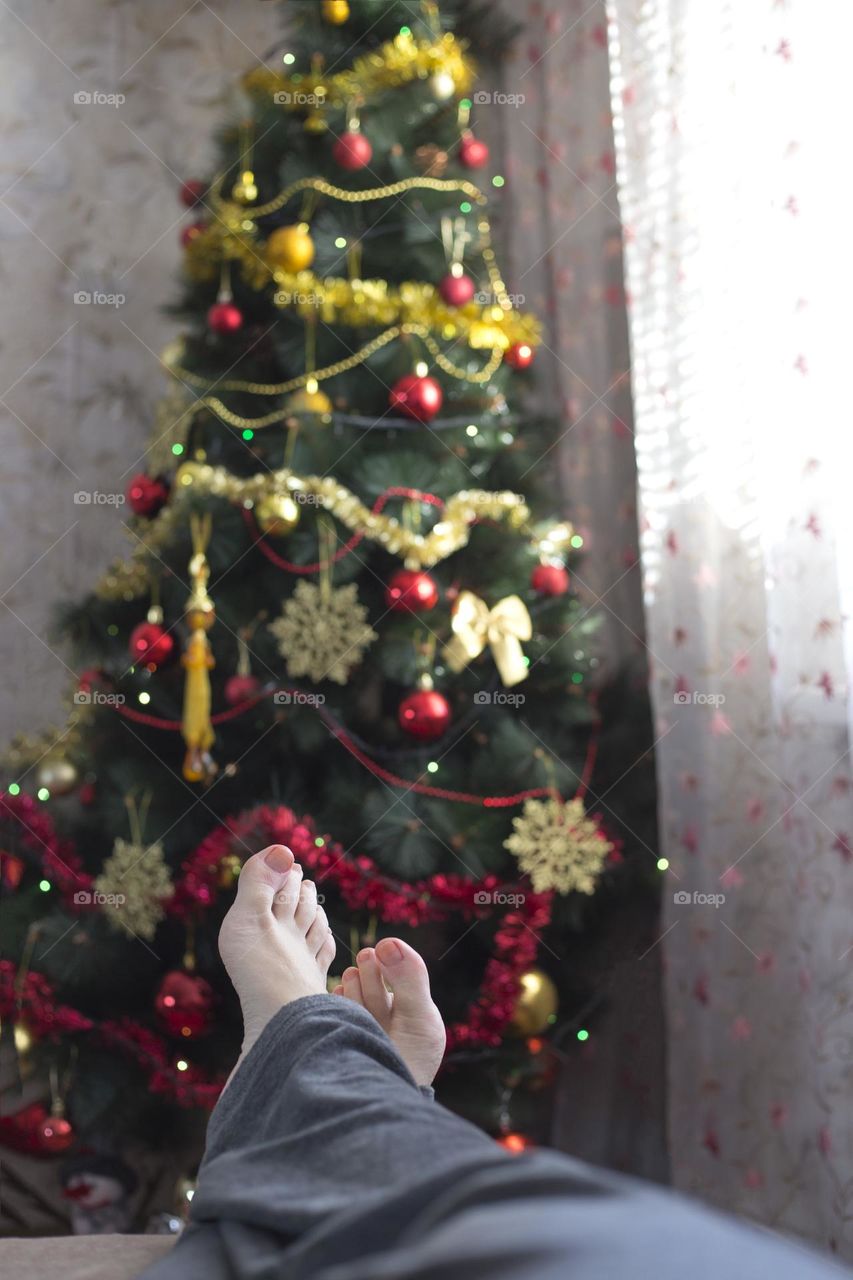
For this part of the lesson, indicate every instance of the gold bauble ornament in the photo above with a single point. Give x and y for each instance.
(291, 248)
(443, 86)
(277, 514)
(536, 1004)
(335, 12)
(306, 401)
(58, 775)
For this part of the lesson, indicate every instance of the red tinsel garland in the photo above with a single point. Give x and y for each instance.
(363, 887)
(56, 857)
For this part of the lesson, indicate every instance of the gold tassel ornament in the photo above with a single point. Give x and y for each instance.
(199, 765)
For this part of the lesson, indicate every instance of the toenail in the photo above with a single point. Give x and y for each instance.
(279, 858)
(392, 952)
(366, 954)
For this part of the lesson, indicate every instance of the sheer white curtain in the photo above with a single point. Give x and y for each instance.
(734, 172)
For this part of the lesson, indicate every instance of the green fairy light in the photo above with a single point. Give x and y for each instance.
(14, 789)
(112, 629)
(45, 886)
(577, 677)
(465, 207)
(583, 1035)
(43, 793)
(289, 59)
(498, 181)
(576, 540)
(177, 450)
(405, 31)
(663, 864)
(466, 102)
(319, 841)
(341, 243)
(432, 767)
(248, 434)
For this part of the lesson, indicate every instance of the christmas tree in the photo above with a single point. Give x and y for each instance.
(345, 623)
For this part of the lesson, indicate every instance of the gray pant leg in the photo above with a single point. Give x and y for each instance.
(324, 1160)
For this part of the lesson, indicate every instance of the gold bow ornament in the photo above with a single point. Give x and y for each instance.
(502, 628)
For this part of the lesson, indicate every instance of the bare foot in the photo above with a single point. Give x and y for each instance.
(275, 941)
(406, 1011)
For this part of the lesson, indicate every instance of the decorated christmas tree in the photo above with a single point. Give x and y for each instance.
(345, 623)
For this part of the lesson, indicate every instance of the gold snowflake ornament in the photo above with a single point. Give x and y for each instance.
(134, 882)
(558, 846)
(323, 634)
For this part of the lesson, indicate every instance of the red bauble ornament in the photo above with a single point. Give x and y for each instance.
(192, 192)
(424, 714)
(224, 317)
(456, 290)
(147, 494)
(54, 1135)
(472, 152)
(150, 645)
(410, 591)
(352, 151)
(519, 355)
(183, 1004)
(549, 580)
(239, 688)
(416, 397)
(21, 1131)
(189, 232)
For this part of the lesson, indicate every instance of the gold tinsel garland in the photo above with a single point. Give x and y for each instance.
(398, 62)
(128, 579)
